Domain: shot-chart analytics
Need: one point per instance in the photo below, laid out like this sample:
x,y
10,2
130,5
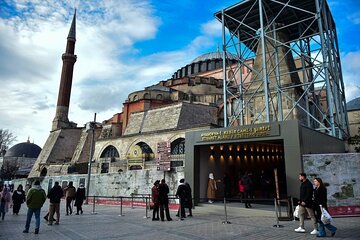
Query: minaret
x,y
62,109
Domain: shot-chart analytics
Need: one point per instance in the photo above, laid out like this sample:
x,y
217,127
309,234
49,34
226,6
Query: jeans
x,y
322,226
29,216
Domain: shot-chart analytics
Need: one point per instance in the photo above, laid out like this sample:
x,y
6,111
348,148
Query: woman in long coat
x,y
211,189
18,198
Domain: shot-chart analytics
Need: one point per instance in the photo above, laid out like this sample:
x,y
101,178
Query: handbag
x,y
325,216
296,211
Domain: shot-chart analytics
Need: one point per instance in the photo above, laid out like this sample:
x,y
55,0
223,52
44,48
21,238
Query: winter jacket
x,y
306,193
55,194
35,197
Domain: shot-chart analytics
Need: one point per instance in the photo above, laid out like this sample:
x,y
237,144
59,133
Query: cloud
x,y
351,73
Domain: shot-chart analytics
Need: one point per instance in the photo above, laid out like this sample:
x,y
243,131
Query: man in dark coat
x,y
182,194
79,198
55,194
306,203
164,200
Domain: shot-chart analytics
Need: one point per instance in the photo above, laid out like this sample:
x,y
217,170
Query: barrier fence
x,y
283,208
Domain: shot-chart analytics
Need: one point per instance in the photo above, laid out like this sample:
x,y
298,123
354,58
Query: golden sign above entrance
x,y
231,134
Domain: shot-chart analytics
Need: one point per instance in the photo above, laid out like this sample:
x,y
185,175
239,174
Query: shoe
x,y
170,219
314,232
320,236
46,218
67,214
333,234
300,229
76,213
26,231
56,223
210,201
190,215
81,212
49,224
177,215
36,231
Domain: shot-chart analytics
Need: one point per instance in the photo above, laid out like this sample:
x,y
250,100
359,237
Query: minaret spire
x,y
69,58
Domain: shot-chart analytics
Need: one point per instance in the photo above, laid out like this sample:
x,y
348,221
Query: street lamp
x,y
91,126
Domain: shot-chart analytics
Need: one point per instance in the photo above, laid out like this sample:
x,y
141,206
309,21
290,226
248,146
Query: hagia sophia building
x,y
146,141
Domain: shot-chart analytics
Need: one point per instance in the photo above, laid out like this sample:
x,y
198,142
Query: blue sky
x,y
122,46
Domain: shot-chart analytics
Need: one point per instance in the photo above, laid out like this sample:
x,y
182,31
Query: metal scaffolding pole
x,y
224,70
265,74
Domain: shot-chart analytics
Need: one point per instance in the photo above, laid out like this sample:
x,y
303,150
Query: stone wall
x,y
116,184
340,173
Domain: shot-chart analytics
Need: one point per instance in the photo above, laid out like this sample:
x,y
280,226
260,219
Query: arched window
x,y
159,97
110,152
43,172
135,98
178,146
146,96
146,151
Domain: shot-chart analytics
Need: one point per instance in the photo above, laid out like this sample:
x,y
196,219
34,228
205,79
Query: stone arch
x,y
135,98
147,96
43,172
147,152
110,152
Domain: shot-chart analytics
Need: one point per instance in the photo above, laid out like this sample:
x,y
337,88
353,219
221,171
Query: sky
x,y
122,46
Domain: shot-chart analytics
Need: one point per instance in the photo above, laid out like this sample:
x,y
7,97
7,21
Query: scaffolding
x,y
288,65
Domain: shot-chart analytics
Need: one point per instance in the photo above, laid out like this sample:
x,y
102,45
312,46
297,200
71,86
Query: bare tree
x,y
8,170
6,138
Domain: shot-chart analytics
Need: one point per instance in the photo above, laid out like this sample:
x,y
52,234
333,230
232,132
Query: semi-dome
x,y
213,55
25,149
353,104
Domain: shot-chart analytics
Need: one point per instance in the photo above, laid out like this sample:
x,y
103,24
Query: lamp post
x,y
92,126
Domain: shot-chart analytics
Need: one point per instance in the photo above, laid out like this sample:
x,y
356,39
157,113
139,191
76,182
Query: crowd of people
x,y
312,201
35,197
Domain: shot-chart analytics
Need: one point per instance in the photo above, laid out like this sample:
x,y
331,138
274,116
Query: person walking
x,y
70,192
164,200
306,204
18,198
5,198
155,200
188,202
211,188
320,199
181,193
35,199
248,189
79,198
55,194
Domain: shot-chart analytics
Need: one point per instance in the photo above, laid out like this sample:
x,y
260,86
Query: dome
x,y
213,55
353,104
25,149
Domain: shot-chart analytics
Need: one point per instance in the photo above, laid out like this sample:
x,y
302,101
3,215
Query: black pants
x,y
164,206
16,208
156,211
68,205
248,197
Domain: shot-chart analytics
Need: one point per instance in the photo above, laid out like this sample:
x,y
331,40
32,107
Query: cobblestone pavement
x,y
207,223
